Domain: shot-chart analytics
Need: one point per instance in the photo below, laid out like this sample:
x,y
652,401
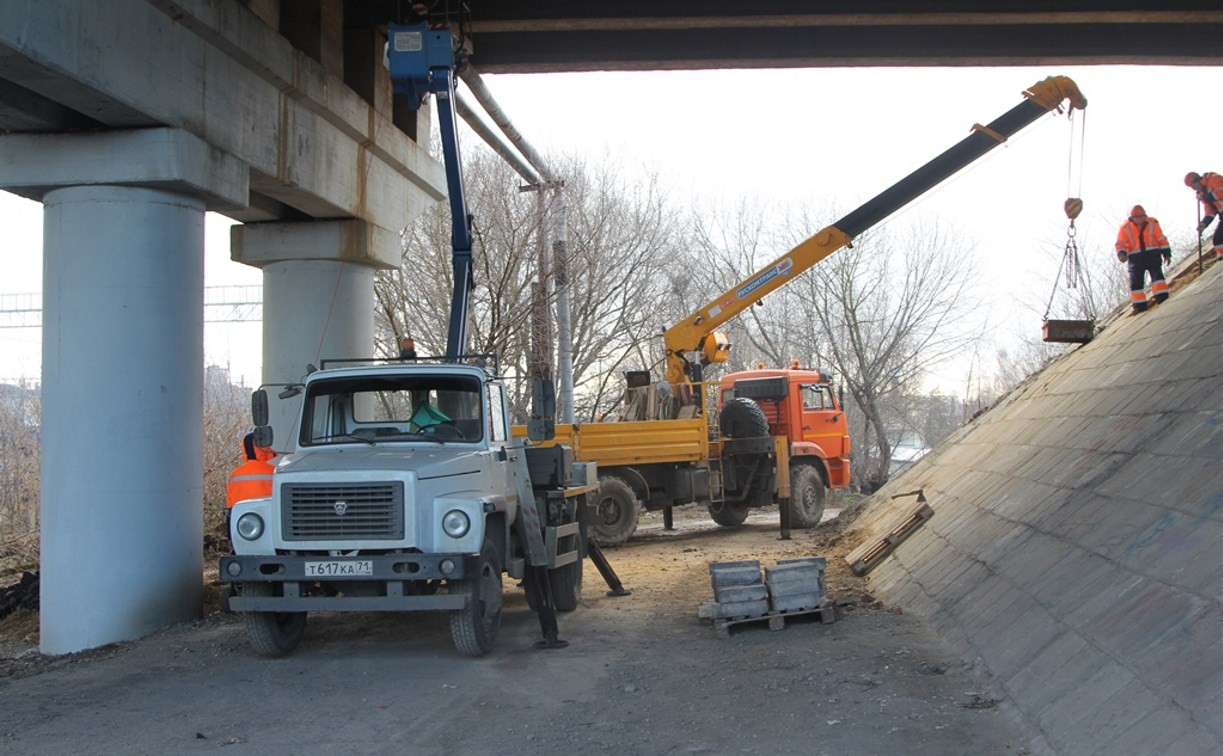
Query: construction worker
x,y
1141,243
253,478
1209,188
407,348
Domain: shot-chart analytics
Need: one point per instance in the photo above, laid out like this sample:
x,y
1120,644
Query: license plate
x,y
346,568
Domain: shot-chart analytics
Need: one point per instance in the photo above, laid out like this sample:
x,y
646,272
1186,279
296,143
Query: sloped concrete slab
x,y
1076,554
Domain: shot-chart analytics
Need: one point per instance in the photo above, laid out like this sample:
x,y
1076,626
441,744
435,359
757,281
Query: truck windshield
x,y
432,408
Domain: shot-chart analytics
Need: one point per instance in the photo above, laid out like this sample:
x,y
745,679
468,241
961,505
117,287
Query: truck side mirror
x,y
263,436
259,407
542,425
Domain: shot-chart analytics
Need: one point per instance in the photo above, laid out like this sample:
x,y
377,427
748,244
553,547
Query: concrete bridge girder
x,y
309,141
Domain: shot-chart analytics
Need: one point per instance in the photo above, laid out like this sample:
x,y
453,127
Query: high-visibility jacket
x,y
1134,238
1211,193
252,479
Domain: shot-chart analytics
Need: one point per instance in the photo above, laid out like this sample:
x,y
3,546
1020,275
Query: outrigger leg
x,y
605,569
542,587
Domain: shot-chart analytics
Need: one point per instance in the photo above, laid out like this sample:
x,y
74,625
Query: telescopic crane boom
x,y
697,335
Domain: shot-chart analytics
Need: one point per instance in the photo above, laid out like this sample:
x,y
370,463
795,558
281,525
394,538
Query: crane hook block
x,y
1073,207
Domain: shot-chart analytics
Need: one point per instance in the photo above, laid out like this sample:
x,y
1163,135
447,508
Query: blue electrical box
x,y
413,52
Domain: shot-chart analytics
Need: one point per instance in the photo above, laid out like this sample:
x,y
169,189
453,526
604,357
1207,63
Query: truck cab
x,y
402,490
801,405
791,419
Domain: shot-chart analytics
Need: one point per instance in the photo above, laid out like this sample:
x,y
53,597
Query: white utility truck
x,y
404,491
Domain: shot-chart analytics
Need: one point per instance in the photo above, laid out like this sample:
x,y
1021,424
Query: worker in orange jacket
x,y
1141,243
1209,189
253,478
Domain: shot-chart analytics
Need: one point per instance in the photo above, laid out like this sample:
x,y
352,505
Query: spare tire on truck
x,y
742,418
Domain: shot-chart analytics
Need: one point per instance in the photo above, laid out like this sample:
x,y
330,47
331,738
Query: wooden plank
x,y
864,558
776,620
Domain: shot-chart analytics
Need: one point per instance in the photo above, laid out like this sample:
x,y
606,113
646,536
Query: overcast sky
x,y
829,139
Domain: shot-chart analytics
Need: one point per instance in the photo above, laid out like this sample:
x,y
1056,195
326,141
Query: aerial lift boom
x,y
418,75
696,334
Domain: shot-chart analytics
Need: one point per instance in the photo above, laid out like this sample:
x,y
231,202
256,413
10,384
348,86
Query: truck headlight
x,y
250,526
456,523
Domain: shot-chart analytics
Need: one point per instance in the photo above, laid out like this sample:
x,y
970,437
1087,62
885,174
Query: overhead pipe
x,y
564,334
491,138
472,79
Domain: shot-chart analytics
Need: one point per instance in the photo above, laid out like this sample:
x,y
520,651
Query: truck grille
x,y
342,512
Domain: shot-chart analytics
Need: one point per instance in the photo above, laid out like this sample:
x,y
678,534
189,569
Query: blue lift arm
x,y
421,62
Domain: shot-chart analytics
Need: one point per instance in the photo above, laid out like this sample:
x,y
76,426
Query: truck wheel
x,y
806,496
742,418
272,633
615,512
474,627
566,587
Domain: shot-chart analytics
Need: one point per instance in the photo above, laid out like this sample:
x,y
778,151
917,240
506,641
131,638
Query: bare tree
x,y
226,420
620,243
19,471
888,308
624,248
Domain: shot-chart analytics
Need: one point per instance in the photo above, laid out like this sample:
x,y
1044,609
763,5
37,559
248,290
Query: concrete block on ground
x,y
734,573
792,587
733,593
792,573
719,610
796,601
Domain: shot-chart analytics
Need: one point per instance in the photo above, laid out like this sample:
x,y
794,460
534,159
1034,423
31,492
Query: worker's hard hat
x,y
1192,178
1137,212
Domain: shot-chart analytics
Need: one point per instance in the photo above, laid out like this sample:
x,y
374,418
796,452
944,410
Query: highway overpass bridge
x,y
129,119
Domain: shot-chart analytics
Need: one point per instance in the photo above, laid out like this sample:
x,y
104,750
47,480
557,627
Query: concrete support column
x,y
122,402
122,374
318,298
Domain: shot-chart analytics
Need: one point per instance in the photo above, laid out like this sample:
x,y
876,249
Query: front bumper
x,y
393,571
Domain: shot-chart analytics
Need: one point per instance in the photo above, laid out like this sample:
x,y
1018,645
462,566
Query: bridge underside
x,y
560,35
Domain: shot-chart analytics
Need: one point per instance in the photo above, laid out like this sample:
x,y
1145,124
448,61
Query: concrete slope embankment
x,y
1076,547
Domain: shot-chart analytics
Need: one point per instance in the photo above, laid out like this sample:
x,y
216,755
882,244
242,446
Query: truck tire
x,y
566,586
742,418
615,512
728,515
474,627
806,496
272,633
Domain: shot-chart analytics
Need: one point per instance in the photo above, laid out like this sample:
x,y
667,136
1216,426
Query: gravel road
x,y
642,675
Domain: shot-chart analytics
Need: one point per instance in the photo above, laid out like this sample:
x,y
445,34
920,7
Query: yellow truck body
x,y
640,442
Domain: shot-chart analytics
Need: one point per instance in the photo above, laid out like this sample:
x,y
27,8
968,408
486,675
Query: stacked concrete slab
x,y
790,588
1076,550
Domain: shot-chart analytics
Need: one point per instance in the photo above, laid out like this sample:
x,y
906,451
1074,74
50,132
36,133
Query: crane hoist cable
x,y
1071,264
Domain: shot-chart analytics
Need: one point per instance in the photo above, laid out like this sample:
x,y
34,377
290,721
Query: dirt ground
x,y
642,675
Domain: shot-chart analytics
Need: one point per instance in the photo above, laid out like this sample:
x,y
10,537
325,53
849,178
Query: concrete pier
x,y
122,373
